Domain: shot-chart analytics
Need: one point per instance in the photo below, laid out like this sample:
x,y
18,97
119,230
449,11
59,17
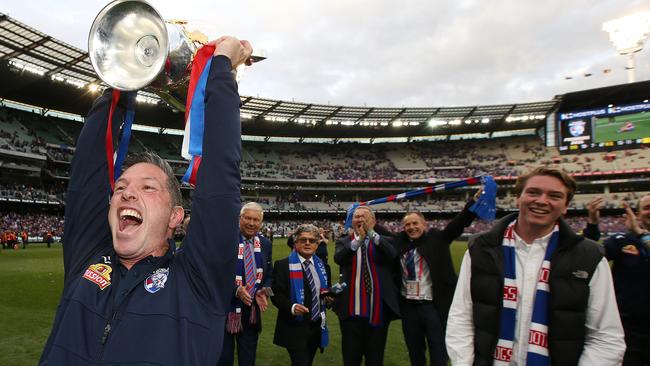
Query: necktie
x,y
367,282
409,260
315,302
249,265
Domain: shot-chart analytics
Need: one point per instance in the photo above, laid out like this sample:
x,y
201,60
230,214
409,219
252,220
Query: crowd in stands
x,y
30,132
60,154
440,160
15,227
23,191
39,224
12,141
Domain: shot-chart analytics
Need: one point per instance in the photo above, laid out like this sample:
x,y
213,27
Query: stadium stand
x,y
306,162
498,157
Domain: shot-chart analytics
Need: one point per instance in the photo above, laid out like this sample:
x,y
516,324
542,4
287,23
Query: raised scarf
x,y
298,292
538,353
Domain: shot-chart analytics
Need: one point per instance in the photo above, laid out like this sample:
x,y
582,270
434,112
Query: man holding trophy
x,y
129,297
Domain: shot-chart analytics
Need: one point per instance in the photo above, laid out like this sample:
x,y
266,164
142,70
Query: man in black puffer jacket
x,y
531,291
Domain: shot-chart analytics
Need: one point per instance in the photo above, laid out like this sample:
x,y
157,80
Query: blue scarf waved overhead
x,y
538,353
484,208
298,291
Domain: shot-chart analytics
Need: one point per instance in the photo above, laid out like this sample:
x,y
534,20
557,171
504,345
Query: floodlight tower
x,y
628,34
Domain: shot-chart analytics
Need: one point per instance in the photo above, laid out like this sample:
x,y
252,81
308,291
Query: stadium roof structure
x,y
40,70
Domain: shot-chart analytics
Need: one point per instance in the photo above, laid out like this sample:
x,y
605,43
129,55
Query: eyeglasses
x,y
307,240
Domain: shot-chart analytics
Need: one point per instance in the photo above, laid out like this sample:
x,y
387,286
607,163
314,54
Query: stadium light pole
x,y
628,34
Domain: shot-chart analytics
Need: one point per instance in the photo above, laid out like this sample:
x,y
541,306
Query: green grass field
x,y
30,285
606,130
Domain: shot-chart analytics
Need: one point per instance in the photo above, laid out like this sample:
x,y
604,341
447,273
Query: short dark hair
x,y
150,157
560,174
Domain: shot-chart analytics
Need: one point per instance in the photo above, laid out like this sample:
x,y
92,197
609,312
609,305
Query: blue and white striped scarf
x,y
538,353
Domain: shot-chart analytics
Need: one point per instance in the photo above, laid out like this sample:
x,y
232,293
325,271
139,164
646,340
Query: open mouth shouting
x,y
129,220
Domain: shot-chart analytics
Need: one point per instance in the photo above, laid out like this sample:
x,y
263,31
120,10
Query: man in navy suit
x,y
252,279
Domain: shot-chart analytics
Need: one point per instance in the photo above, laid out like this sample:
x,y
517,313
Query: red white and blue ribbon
x,y
123,146
485,180
192,148
115,160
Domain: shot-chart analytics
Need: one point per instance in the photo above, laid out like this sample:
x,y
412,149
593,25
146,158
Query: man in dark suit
x,y
253,274
428,280
300,279
369,302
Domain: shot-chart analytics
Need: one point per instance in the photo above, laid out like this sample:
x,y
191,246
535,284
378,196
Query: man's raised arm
x,y
86,229
211,243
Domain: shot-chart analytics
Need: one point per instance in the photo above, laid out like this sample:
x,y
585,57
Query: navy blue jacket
x,y
182,323
631,274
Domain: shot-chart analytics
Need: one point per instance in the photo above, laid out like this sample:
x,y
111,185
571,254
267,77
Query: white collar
x,y
303,259
543,241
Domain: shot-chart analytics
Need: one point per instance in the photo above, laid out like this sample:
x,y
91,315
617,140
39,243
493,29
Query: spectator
x,y
300,279
252,278
515,289
592,231
427,283
369,302
630,253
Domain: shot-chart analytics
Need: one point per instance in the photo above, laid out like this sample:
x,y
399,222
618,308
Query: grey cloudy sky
x,y
394,53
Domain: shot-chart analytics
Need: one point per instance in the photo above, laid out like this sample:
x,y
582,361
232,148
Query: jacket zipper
x,y
107,331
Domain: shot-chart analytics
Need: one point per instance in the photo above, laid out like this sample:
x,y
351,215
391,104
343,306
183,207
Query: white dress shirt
x,y
422,276
604,341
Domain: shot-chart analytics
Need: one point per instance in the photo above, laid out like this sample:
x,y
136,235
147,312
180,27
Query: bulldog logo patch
x,y
99,274
157,280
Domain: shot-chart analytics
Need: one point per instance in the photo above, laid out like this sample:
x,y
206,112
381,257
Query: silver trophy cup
x,y
132,47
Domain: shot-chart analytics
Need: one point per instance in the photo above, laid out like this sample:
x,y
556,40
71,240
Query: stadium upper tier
x,y
40,70
23,131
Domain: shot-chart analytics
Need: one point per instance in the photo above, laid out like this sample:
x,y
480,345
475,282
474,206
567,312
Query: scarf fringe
x,y
253,317
233,324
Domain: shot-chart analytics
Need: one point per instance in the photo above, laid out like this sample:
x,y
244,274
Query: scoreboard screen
x,y
607,128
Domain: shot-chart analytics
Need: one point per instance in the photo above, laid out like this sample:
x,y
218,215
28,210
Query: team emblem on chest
x,y
99,274
157,280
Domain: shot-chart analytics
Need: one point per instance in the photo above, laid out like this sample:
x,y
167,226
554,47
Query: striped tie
x,y
315,302
410,264
367,281
249,265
